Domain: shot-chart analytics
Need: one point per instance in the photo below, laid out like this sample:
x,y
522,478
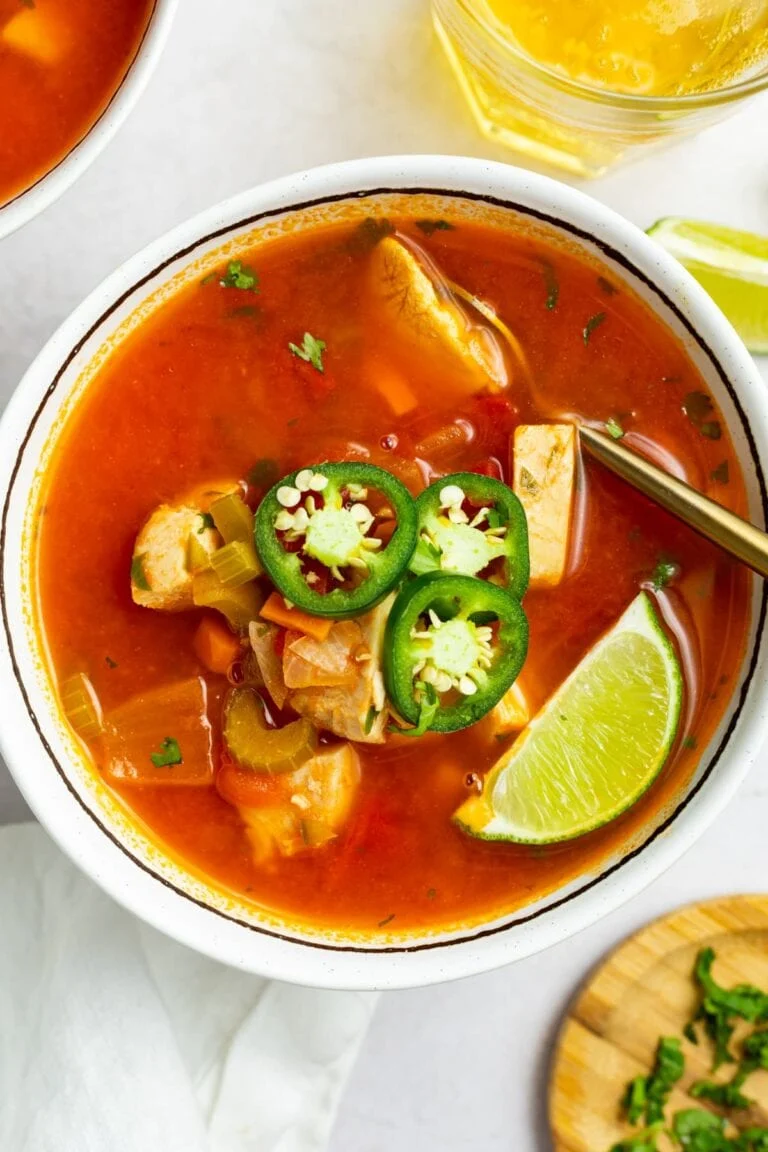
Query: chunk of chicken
x,y
314,806
423,312
356,712
544,466
174,543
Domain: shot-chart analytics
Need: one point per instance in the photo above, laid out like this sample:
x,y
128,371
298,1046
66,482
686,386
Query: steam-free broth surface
x,y
207,388
60,63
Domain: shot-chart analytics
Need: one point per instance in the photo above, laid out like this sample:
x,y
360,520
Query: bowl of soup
x,y
328,651
70,72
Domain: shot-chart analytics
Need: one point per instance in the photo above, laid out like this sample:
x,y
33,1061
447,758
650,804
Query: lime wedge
x,y
731,265
596,745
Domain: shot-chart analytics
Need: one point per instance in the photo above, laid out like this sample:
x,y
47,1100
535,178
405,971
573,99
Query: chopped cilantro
x,y
210,278
110,662
264,473
311,350
529,482
387,920
645,1141
698,407
664,571
552,285
206,522
606,286
593,323
138,575
370,719
368,233
699,1131
721,474
428,227
726,1095
689,742
244,312
169,754
613,428
239,275
647,1095
431,893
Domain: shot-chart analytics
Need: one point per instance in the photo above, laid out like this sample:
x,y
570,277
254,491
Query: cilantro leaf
x,y
138,575
593,323
699,1131
721,474
724,1095
429,227
206,522
239,275
169,754
698,407
552,285
664,571
647,1095
311,350
613,428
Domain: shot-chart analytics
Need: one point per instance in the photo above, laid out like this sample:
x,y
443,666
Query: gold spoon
x,y
736,536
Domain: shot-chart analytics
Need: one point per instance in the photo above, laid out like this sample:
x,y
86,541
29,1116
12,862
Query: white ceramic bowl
x,y
53,183
66,794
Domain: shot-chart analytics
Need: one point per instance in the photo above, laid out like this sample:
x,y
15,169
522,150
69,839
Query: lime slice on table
x,y
596,745
731,265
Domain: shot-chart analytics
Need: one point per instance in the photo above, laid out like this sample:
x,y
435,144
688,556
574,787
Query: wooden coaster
x,y
643,991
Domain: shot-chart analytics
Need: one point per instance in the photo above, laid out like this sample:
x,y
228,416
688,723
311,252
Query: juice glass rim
x,y
625,101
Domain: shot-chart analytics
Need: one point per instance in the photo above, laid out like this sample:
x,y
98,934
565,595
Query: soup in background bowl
x,y
311,432
69,74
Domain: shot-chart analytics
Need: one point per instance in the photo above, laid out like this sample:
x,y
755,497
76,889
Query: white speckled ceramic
x,y
56,778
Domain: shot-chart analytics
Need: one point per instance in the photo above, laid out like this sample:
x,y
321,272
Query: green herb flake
x,y
664,571
206,522
721,474
613,428
169,754
695,1129
368,233
138,575
698,407
387,920
211,278
690,744
370,719
239,275
244,312
593,323
264,473
645,1141
110,662
311,350
711,429
606,286
726,1095
551,284
429,227
528,482
431,893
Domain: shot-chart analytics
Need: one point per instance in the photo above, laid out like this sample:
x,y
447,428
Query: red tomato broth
x,y
206,386
51,103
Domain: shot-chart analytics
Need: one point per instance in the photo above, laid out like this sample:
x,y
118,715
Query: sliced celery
x,y
238,605
197,557
81,706
233,518
236,564
253,745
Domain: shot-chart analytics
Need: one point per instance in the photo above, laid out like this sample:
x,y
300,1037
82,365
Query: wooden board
x,y
643,991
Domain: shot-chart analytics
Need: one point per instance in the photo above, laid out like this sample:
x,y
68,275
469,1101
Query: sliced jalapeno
x,y
454,645
473,525
317,537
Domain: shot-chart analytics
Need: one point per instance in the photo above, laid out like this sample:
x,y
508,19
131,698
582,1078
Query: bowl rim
x,y
257,948
53,183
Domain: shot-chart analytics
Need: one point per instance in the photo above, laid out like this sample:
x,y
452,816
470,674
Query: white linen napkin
x,y
114,1038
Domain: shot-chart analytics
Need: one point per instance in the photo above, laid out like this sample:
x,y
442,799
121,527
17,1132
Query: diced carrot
x,y
277,612
395,389
215,646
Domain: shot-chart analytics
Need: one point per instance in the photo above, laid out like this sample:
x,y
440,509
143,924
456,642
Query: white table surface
x,y
260,89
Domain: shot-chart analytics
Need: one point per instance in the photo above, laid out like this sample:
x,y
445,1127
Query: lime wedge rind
x,y
731,265
596,746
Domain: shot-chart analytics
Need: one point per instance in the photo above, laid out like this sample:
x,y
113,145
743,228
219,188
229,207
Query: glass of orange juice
x,y
584,84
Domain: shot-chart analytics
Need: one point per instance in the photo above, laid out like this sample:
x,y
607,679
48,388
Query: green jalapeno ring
x,y
456,646
335,535
450,542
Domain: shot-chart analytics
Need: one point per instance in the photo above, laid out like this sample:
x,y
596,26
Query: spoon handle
x,y
736,536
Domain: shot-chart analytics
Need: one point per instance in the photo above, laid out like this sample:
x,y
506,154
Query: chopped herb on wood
x,y
646,1096
169,754
721,474
429,227
613,428
239,275
311,350
593,323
